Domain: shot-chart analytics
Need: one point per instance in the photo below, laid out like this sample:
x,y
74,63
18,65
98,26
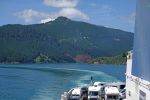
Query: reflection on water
x,y
49,81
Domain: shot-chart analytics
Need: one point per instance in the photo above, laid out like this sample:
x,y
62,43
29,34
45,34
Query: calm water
x,y
49,81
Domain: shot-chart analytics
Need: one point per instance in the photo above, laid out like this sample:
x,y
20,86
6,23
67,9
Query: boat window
x,y
93,93
84,89
112,97
75,95
122,86
102,84
93,99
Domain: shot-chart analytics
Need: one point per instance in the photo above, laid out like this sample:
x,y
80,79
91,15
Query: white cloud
x,y
61,3
46,20
67,9
28,14
72,13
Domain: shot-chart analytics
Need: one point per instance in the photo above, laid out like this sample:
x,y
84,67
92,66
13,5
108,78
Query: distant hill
x,y
61,40
119,59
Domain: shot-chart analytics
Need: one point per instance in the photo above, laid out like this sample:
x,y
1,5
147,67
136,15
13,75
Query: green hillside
x,y
59,41
119,59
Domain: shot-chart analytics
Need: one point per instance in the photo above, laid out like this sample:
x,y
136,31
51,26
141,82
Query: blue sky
x,y
118,14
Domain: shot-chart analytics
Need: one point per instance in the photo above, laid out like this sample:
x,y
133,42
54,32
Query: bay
x,y
49,81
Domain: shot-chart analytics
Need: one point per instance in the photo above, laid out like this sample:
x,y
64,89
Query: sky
x,y
119,14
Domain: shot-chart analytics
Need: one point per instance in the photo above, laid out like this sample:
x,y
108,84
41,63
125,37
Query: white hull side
x,y
134,84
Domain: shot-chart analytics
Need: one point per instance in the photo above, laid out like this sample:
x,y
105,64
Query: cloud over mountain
x,y
61,3
67,8
28,14
72,13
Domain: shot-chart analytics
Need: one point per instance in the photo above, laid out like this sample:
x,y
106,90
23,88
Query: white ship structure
x,y
138,63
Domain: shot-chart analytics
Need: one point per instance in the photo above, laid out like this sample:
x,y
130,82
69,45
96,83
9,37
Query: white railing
x,y
139,81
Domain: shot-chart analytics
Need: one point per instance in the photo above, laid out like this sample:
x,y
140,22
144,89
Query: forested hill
x,y
61,40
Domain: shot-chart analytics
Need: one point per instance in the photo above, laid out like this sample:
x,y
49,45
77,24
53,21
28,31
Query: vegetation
x,y
59,41
119,59
42,59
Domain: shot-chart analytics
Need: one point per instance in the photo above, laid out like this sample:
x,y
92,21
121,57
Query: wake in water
x,y
45,83
86,74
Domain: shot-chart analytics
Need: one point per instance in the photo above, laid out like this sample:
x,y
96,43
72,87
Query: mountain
x,y
61,40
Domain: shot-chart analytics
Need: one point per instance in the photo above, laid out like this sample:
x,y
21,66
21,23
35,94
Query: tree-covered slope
x,y
119,59
61,40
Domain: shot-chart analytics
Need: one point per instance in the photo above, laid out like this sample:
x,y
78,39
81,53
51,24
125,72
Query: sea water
x,y
49,81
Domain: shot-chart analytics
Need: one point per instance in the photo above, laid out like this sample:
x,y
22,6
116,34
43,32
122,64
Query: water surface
x,y
49,81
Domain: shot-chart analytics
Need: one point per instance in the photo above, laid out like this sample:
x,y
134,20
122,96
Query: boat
x,y
111,93
75,94
96,91
137,86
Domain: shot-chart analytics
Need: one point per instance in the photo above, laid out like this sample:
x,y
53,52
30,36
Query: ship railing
x,y
145,84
